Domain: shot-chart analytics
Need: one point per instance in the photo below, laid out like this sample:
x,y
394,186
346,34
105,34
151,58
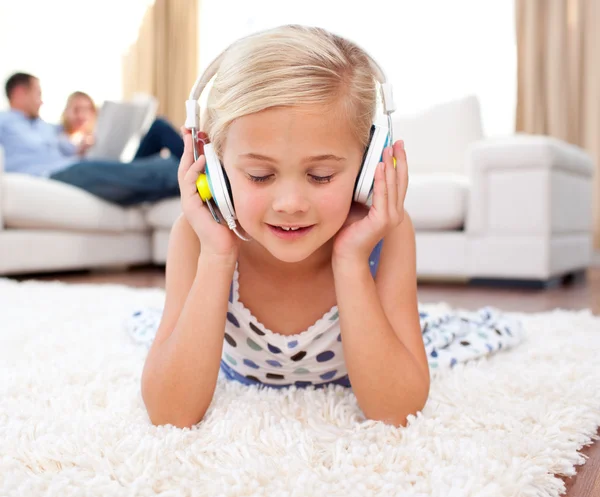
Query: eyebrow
x,y
314,158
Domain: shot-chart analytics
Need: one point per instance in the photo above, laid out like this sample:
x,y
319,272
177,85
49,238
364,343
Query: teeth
x,y
287,228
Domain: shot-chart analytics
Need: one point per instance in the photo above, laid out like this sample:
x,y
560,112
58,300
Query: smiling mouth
x,y
289,227
290,230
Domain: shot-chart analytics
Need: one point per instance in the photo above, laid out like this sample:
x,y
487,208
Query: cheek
x,y
334,203
250,203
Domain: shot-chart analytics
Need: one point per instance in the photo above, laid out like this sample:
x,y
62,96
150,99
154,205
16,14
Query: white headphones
x,y
214,187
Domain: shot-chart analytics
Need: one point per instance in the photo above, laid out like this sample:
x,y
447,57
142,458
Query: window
x,y
69,44
431,50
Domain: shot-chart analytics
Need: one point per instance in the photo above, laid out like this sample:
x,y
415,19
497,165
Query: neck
x,y
17,107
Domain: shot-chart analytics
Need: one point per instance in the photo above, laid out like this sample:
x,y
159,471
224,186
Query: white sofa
x,y
511,208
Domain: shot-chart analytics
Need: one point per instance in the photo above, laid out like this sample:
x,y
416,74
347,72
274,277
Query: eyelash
x,y
318,179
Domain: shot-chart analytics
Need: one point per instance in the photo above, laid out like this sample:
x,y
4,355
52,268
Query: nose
x,y
290,199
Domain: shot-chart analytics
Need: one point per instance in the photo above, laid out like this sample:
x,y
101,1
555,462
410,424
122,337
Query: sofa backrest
x,y
437,138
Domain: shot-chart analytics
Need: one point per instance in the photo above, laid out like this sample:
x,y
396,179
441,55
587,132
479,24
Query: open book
x,y
121,126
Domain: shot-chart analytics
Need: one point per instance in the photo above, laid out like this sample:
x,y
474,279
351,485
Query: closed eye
x,y
262,179
259,179
321,179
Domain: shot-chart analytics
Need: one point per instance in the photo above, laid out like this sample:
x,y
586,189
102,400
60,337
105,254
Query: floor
x,y
579,294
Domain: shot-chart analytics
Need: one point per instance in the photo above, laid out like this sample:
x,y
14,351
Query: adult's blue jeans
x,y
148,178
161,135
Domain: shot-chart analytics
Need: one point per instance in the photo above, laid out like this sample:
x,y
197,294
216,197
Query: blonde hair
x,y
68,129
290,66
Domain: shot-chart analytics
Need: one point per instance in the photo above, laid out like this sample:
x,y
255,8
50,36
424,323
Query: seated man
x,y
33,146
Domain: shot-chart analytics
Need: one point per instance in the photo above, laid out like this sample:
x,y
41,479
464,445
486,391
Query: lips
x,y
288,228
289,232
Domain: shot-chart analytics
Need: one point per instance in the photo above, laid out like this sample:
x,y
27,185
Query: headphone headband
x,y
192,120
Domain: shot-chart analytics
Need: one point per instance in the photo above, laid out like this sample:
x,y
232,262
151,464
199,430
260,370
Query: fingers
x,y
187,159
188,185
392,184
191,201
380,193
401,173
202,139
188,149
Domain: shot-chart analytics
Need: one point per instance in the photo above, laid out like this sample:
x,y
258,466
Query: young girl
x,y
324,292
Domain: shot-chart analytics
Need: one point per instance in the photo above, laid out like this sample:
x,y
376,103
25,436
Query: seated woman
x,y
79,120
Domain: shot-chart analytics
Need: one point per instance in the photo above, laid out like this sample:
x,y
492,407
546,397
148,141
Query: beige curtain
x,y
558,47
163,61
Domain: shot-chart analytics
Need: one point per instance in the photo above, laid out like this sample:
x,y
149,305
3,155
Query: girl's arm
x,y
381,332
182,366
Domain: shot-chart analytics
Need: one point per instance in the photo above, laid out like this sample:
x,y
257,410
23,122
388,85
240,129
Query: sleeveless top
x,y
253,354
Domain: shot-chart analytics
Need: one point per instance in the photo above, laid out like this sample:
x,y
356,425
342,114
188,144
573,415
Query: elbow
x,y
172,419
162,411
399,416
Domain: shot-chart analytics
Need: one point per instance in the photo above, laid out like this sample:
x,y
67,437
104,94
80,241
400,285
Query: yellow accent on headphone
x,y
394,162
203,188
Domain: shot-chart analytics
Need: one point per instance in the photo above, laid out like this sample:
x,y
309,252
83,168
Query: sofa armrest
x,y
529,185
1,186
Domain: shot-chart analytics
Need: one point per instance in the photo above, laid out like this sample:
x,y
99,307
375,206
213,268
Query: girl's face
x,y
292,167
80,113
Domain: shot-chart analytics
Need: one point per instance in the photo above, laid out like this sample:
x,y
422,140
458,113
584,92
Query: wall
x,y
70,45
432,50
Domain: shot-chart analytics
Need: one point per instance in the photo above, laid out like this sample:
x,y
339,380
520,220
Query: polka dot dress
x,y
253,354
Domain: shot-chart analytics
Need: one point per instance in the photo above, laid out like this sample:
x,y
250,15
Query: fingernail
x,y
402,144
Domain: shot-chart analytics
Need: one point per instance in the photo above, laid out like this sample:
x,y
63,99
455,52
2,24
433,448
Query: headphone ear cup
x,y
378,140
228,186
360,179
219,184
203,187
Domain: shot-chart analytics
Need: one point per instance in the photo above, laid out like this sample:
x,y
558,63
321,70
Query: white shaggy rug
x,y
72,421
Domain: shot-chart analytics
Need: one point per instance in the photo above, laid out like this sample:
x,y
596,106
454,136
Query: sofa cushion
x,y
437,202
41,203
164,213
437,139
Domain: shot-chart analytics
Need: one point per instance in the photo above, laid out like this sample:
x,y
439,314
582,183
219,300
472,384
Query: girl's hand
x,y
365,227
215,239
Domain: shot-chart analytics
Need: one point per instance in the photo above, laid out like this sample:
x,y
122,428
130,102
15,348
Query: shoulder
x,y
5,116
7,120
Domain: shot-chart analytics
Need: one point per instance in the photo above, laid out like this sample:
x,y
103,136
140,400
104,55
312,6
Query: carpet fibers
x,y
72,421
